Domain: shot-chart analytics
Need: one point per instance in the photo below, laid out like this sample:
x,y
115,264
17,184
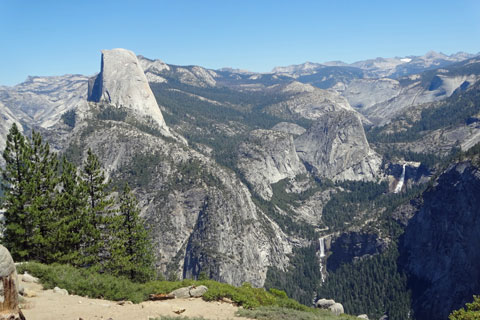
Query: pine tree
x,y
97,213
44,180
18,225
71,205
131,252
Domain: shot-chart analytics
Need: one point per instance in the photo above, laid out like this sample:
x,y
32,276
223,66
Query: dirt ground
x,y
48,305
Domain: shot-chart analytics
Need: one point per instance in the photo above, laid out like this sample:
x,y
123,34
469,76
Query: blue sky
x,y
44,37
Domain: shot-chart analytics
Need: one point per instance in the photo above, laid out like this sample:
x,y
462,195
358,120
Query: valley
x,y
354,182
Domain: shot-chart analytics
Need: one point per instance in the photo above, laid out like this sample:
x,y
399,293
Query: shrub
x,y
87,282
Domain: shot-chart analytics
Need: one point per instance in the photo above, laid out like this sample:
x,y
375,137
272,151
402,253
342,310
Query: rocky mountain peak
x,y
121,83
335,147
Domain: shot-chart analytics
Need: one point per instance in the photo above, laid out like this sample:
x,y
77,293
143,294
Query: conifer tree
x,y
97,213
18,229
71,205
131,252
44,180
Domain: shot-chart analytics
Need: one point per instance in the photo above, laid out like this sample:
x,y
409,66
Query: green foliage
x,y
71,204
28,181
372,285
301,279
67,215
280,313
344,206
42,209
16,186
69,118
112,113
130,249
471,312
284,200
137,172
237,111
88,282
98,212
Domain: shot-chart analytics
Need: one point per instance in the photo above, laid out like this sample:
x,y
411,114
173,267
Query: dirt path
x,y
47,305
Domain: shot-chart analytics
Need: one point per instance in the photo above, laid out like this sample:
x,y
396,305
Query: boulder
x,y
7,267
362,316
197,292
29,278
325,303
336,308
181,293
29,293
8,278
188,292
63,292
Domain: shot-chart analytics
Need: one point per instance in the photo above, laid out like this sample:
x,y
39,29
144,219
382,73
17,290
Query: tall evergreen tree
x,y
44,180
131,252
98,211
18,229
71,222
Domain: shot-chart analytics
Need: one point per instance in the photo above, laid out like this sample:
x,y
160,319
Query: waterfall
x,y
399,186
322,247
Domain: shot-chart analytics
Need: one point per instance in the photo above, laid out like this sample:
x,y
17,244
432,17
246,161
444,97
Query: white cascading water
x,y
399,186
321,242
322,247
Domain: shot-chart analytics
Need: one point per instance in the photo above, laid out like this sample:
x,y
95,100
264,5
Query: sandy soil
x,y
47,305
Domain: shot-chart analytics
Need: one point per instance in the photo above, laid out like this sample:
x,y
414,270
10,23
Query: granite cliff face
x,y
439,248
267,157
335,147
201,216
122,83
41,101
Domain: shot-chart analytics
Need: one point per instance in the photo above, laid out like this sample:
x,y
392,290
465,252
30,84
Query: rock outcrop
x,y
329,304
439,249
267,157
9,282
288,127
335,147
121,83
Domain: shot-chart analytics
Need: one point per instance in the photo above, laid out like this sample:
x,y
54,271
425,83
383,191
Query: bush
x,y
472,311
87,282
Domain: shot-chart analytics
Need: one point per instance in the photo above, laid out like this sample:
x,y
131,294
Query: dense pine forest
x,y
58,213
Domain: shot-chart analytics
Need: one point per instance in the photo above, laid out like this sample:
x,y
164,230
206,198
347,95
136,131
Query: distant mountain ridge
x,y
239,174
382,67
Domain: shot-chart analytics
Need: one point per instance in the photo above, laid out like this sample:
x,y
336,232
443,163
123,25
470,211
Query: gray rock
x,y
181,293
7,267
335,147
121,83
198,291
267,157
288,127
63,292
363,316
29,278
325,303
336,308
441,242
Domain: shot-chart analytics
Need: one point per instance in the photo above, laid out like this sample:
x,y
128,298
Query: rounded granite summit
x,y
122,83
